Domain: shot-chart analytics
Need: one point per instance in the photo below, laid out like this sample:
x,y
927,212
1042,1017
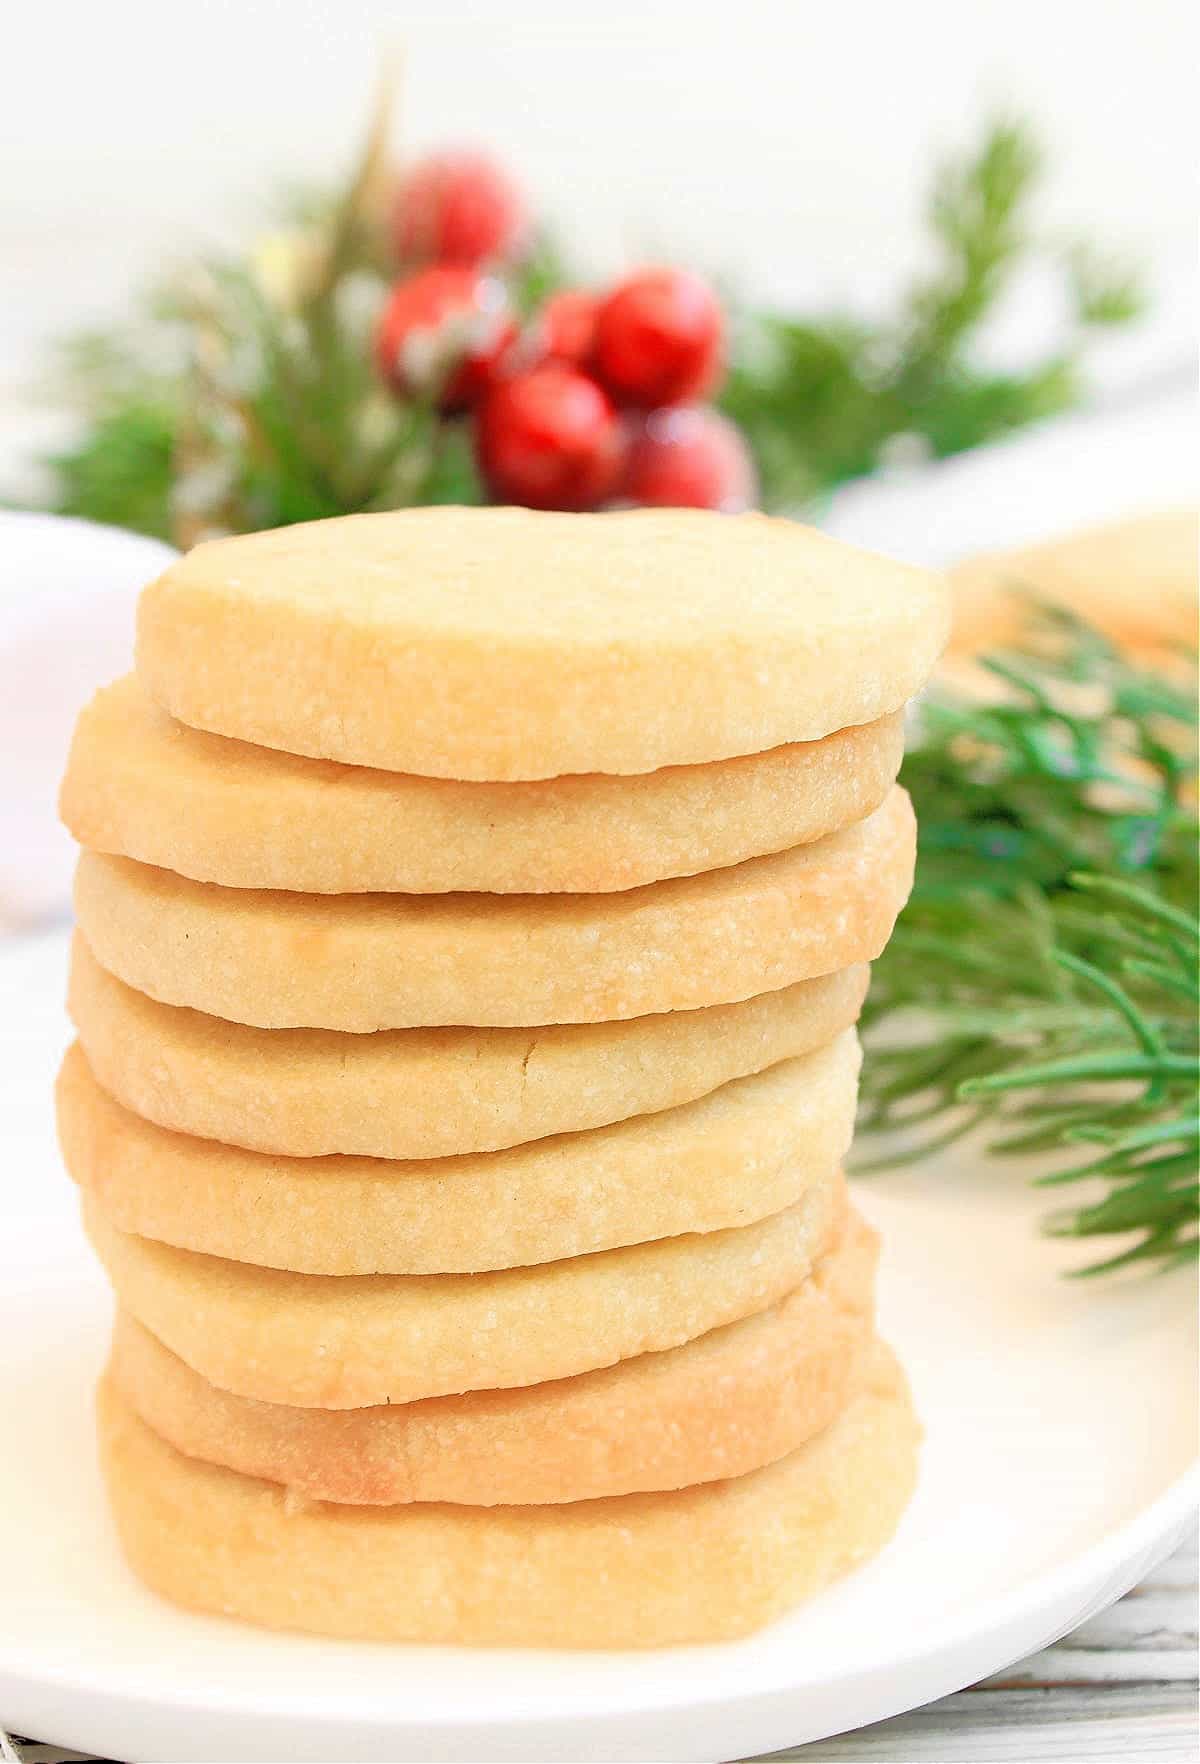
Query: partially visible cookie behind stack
x,y
474,916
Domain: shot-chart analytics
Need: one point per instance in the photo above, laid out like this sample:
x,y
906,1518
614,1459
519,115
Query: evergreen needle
x,y
1043,980
244,393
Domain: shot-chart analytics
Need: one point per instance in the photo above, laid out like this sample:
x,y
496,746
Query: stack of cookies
x,y
474,915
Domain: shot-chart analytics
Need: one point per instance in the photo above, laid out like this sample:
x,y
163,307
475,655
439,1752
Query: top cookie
x,y
502,644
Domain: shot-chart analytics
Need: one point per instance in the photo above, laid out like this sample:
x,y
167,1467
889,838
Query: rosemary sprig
x,y
1042,986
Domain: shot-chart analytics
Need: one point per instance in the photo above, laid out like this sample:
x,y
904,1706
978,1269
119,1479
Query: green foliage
x,y
1105,292
120,471
820,400
272,414
1046,968
805,397
247,395
249,398
977,216
542,272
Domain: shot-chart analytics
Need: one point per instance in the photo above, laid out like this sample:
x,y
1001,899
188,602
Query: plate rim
x,y
679,1705
1108,1558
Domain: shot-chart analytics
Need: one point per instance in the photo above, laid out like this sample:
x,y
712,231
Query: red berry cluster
x,y
596,399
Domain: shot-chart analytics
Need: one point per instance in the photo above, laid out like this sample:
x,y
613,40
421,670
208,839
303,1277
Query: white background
x,y
784,140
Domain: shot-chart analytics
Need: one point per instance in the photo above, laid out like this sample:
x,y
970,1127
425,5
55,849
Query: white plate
x,y
1057,1470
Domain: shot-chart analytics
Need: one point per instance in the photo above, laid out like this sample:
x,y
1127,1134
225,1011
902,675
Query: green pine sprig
x,y
821,399
229,404
1041,988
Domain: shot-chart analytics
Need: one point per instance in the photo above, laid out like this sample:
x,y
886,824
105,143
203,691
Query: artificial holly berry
x,y
458,207
442,334
687,456
659,339
549,438
566,327
561,330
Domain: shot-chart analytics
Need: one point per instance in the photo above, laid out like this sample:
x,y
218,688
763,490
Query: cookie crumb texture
x,y
504,644
700,1564
141,785
346,1342
741,1153
368,962
721,1405
430,1093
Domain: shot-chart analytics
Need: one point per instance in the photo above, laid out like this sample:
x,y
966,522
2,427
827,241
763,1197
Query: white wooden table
x,y
1122,1687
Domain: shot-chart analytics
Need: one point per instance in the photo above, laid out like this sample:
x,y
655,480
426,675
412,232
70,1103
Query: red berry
x,y
566,326
561,330
549,438
458,207
689,457
442,333
659,339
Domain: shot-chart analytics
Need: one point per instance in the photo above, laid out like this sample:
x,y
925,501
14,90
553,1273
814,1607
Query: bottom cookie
x,y
631,1571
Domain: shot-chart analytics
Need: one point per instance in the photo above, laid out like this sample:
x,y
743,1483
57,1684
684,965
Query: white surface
x,y
1057,1469
1120,1726
67,595
788,145
1123,1688
1078,471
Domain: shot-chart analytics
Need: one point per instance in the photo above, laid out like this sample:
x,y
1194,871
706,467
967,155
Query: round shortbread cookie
x,y
741,1153
639,1570
141,785
503,644
330,1342
362,962
1133,579
721,1405
430,1093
